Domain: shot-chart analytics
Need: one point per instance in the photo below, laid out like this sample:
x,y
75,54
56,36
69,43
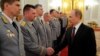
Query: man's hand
x,y
50,51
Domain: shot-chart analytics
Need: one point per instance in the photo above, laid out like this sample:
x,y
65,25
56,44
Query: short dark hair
x,y
6,1
27,7
52,10
78,13
37,5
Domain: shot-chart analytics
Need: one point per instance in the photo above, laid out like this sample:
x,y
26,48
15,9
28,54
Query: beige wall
x,y
92,14
33,2
97,33
23,2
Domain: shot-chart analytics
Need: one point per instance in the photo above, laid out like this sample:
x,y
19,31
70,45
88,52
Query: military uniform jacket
x,y
11,41
55,29
49,34
32,40
40,28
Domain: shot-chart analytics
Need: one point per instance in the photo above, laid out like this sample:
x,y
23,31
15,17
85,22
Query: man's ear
x,y
6,5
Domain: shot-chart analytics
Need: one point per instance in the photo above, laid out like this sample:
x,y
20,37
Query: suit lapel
x,y
69,31
29,27
20,39
31,30
19,30
42,23
11,28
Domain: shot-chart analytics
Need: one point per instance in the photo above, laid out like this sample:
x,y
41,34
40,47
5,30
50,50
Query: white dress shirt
x,y
77,27
8,18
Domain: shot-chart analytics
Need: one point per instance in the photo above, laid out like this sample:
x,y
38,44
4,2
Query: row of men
x,y
42,36
35,33
40,32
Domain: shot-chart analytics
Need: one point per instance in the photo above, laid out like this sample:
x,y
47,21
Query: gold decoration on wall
x,y
79,4
68,5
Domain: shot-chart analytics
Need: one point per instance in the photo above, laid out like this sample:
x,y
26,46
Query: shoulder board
x,y
23,23
4,19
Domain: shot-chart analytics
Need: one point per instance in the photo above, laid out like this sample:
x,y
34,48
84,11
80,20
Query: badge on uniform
x,y
10,34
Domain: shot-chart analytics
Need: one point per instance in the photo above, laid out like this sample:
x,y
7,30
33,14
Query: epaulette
x,y
23,23
4,19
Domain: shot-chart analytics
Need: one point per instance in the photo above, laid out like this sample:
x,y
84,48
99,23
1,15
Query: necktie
x,y
73,32
15,26
42,21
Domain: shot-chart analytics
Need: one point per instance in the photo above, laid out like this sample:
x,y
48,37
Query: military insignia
x,y
23,23
10,34
4,19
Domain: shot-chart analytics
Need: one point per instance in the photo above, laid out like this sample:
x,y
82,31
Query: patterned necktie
x,y
73,32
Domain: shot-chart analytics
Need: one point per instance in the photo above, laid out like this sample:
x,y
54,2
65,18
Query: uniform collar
x,y
8,18
40,18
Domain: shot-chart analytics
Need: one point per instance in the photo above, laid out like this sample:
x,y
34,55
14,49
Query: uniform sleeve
x,y
30,44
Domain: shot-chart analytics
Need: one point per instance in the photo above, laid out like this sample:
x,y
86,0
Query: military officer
x,y
32,40
11,38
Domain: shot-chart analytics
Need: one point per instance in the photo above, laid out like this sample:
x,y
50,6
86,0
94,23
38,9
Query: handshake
x,y
50,51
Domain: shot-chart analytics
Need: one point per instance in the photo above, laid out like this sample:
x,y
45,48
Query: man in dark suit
x,y
79,38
